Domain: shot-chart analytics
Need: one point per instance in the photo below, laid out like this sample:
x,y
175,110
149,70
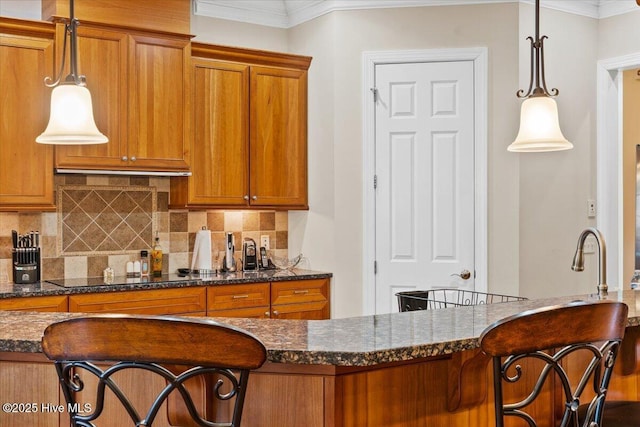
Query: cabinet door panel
x,y
220,141
278,137
158,107
300,299
102,58
307,311
26,167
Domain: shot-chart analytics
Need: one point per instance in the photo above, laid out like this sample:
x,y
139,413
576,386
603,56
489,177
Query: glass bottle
x,y
144,263
156,258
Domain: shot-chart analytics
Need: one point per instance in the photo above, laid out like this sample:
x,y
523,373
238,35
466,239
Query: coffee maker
x,y
249,255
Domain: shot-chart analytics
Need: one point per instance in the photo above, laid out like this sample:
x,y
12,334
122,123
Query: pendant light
x,y
71,119
539,125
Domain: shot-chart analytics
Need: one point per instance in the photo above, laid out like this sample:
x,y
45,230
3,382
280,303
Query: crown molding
x,y
287,14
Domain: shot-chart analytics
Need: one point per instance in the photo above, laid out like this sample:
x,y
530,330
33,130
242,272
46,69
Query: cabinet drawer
x,y
50,303
161,301
299,291
229,297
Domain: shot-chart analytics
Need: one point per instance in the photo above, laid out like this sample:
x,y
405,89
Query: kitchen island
x,y
405,369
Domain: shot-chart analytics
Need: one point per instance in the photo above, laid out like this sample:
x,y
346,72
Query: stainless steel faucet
x,y
578,258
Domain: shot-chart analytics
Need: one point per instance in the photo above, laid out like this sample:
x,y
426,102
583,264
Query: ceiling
x,y
289,13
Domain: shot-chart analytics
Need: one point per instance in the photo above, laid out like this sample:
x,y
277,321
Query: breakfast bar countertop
x,y
355,341
121,283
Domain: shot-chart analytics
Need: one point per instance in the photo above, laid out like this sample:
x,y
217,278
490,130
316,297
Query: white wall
x,y
232,33
331,232
554,187
22,9
619,35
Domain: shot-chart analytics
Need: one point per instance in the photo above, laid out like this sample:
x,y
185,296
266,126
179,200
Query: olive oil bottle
x,y
156,258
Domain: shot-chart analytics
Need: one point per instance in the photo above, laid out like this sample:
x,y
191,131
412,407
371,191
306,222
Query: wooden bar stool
x,y
97,349
536,344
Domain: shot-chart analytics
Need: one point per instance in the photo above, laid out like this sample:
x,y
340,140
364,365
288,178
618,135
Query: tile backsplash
x,y
99,220
107,220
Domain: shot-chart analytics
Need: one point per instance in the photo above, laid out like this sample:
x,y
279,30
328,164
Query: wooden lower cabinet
x,y
47,303
300,299
294,299
178,301
238,300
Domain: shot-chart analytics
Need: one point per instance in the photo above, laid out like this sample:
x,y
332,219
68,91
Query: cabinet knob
x,y
254,197
246,197
125,158
133,158
266,314
275,312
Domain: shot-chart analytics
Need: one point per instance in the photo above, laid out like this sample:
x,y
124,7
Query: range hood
x,y
123,172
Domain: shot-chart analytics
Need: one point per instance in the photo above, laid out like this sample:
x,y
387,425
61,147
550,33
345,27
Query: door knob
x,y
464,274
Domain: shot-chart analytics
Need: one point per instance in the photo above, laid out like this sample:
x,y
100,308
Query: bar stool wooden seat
x,y
96,350
530,350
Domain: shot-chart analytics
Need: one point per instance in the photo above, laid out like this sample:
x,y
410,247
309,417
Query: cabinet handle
x,y
275,312
133,158
246,197
254,197
300,292
125,158
266,314
240,296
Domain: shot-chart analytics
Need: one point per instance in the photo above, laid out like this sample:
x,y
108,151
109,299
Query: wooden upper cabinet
x,y
249,130
102,58
159,103
26,167
220,143
139,87
278,137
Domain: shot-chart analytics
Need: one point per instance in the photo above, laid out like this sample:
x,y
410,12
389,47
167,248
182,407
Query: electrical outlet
x,y
264,241
591,208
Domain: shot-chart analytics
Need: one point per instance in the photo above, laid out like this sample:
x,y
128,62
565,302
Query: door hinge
x,y
374,91
375,181
375,267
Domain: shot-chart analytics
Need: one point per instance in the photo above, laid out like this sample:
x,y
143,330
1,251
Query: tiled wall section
x,y
177,230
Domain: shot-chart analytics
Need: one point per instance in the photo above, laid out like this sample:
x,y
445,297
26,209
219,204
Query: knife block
x,y
26,265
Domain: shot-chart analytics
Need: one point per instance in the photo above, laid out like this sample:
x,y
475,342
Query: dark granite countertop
x,y
96,284
357,341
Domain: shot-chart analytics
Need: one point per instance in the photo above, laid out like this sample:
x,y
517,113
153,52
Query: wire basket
x,y
443,298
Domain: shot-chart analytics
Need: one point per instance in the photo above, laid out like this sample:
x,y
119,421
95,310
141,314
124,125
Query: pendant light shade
x,y
71,121
539,127
539,124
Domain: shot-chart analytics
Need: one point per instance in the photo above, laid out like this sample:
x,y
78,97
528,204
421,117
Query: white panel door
x,y
425,178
